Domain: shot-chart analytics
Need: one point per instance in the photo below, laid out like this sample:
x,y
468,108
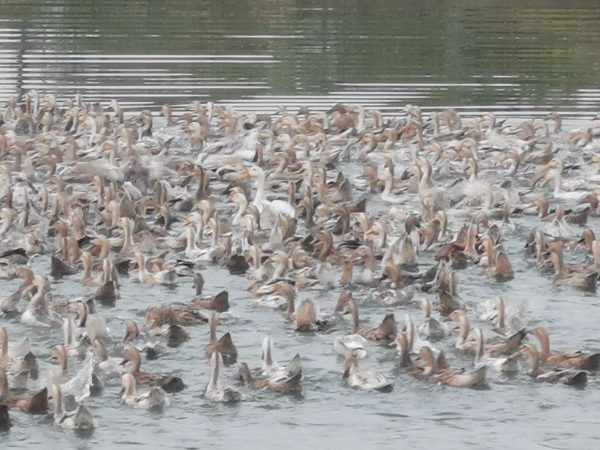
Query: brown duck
x,y
578,360
168,382
224,345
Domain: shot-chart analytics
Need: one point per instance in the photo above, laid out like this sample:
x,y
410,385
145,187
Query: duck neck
x,y
4,337
191,241
260,191
491,253
214,379
370,262
87,266
242,205
545,346
280,269
347,272
557,183
535,364
389,183
216,233
464,332
58,406
213,328
104,249
135,364
355,320
142,268
289,297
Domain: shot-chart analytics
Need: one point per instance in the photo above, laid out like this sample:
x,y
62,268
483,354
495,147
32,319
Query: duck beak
x,y
186,222
370,231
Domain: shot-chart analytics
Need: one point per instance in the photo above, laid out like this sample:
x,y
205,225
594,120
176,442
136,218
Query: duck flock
x,y
91,196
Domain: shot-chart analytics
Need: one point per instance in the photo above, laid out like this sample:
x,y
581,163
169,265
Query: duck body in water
x,y
82,192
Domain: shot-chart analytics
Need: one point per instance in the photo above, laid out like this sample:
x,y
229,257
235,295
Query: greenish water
x,y
518,58
384,53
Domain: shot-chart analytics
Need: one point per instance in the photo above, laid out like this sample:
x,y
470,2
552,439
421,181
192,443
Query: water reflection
x,y
384,52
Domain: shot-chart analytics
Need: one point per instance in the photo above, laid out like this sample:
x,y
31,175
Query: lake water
x,y
517,58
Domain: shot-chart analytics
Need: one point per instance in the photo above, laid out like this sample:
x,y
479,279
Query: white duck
x,y
351,344
503,364
269,210
364,379
80,419
112,367
214,391
431,328
155,398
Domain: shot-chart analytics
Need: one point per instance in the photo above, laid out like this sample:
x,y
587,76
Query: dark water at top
x,y
516,54
516,57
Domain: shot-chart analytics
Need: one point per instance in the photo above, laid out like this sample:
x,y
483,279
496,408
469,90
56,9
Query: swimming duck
x,y
507,364
166,277
431,328
214,391
91,321
224,346
468,343
569,275
570,377
37,404
326,322
283,379
351,344
578,360
154,399
110,366
385,331
80,419
364,379
167,382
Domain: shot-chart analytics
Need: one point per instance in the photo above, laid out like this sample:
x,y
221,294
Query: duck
x,y
80,419
166,277
571,276
570,377
431,328
327,322
305,316
364,379
109,366
560,187
283,380
167,382
471,378
269,210
37,404
506,364
468,342
214,391
91,322
577,360
154,399
351,344
386,331
218,302
224,345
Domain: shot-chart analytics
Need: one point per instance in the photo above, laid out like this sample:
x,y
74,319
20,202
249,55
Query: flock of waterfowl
x,y
104,200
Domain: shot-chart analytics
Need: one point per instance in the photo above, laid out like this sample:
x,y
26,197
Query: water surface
x,y
519,58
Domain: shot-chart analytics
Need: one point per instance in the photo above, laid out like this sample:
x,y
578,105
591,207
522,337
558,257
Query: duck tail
x,y
388,328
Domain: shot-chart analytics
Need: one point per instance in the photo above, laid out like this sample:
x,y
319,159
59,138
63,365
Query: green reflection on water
x,y
537,47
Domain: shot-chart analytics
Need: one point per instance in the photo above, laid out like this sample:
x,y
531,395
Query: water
x,y
519,58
